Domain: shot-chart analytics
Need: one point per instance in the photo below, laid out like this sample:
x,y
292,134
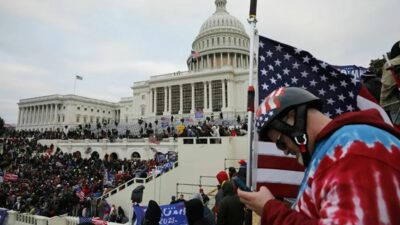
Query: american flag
x,y
10,177
281,65
80,194
194,54
94,220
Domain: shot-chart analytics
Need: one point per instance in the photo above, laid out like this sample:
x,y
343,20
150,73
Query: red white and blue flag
x,y
281,65
10,177
93,220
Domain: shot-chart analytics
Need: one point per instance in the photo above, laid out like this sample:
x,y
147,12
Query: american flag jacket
x,y
353,176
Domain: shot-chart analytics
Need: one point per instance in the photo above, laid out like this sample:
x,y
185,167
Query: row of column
x,y
205,62
39,114
207,92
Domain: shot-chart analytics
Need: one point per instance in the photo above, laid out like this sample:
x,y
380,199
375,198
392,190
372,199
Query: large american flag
x,y
281,65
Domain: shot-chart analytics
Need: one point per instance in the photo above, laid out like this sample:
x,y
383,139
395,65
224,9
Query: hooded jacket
x,y
231,210
194,212
353,176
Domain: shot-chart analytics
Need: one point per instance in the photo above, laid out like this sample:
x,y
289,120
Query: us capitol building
x,y
216,81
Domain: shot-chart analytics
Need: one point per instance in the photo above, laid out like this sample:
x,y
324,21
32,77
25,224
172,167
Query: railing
x,y
134,180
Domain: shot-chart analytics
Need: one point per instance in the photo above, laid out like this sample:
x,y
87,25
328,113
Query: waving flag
x,y
10,177
94,220
281,65
78,77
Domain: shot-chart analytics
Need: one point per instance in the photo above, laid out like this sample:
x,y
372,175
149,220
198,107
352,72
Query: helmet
x,y
278,103
395,51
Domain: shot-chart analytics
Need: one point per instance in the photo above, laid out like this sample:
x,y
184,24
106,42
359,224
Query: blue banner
x,y
173,214
354,70
3,215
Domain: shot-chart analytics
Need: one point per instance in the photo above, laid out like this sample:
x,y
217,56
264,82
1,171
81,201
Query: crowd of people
x,y
48,182
209,127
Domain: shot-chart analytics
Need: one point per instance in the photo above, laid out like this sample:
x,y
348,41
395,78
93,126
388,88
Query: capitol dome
x,y
222,41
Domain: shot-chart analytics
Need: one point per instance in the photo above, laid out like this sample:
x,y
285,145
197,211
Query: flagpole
x,y
250,104
251,91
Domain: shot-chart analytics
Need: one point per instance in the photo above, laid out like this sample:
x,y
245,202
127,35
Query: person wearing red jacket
x,y
353,163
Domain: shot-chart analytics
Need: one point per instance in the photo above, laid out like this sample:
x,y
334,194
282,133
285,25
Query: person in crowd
x,y
390,92
372,83
232,172
194,212
204,197
222,177
231,210
206,211
242,173
153,214
352,162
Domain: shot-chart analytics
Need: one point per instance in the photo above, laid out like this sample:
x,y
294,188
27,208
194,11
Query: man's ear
x,y
291,115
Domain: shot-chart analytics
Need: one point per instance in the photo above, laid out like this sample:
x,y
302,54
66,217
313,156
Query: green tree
x,y
1,126
376,65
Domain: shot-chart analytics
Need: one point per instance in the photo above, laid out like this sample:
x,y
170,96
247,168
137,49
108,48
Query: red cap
x,y
242,162
222,176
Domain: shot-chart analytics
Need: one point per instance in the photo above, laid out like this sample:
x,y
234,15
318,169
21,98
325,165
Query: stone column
x,y
35,110
222,60
51,119
235,60
223,94
215,60
230,95
210,95
180,99
56,114
170,99
193,109
152,101
165,101
205,108
19,116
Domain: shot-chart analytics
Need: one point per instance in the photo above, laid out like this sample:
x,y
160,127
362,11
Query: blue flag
x,y
173,214
3,215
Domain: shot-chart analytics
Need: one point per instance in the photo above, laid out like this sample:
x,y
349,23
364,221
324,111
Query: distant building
x,y
56,111
216,81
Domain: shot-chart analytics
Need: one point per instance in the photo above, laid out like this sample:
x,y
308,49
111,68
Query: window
x,y
187,97
91,110
85,109
77,119
142,110
108,112
143,97
78,108
175,99
216,89
160,100
104,111
199,96
98,110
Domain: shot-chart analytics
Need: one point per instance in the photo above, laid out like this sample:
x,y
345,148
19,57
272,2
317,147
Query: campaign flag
x,y
94,220
173,214
78,77
281,65
10,177
352,70
3,215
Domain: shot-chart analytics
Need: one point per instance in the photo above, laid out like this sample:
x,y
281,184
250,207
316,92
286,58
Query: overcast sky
x,y
111,44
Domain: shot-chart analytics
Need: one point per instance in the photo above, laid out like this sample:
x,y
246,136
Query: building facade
x,y
57,111
216,82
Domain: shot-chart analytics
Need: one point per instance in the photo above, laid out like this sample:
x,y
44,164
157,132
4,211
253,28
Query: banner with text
x,y
173,214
